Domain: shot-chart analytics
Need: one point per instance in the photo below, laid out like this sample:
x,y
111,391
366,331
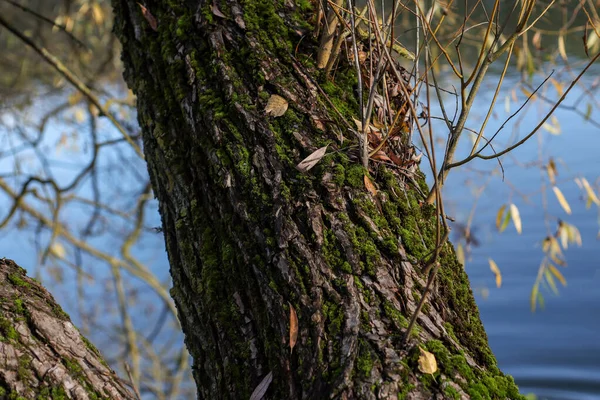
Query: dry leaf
x,y
550,281
427,362
499,216
293,327
215,10
58,250
557,274
558,86
590,192
534,296
381,156
262,387
370,186
552,172
149,17
496,271
311,160
97,14
460,254
561,199
516,217
553,127
276,106
561,47
537,40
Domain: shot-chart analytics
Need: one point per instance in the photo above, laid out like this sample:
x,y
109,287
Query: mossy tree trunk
x,y
249,236
42,355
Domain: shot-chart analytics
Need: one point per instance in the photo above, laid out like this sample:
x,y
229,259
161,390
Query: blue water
x,y
554,352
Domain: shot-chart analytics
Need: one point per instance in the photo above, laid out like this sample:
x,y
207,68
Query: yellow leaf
x,y
563,235
590,192
557,274
527,93
558,86
552,172
540,299
588,112
79,114
499,215
553,127
97,14
74,98
533,297
427,362
574,235
561,47
369,185
58,250
293,327
561,199
496,271
505,222
516,217
550,280
276,106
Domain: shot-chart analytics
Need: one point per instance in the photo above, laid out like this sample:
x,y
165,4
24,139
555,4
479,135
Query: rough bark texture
x,y
248,236
42,355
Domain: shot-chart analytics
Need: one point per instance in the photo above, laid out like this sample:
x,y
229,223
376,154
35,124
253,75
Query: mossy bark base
x,y
248,236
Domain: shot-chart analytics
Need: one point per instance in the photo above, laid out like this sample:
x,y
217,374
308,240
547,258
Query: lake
x,y
554,352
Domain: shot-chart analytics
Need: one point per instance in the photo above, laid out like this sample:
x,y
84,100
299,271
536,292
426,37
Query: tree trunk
x,y
250,238
42,355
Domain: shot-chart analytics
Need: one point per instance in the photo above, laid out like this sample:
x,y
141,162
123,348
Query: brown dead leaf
x,y
311,160
293,327
381,156
427,362
396,160
149,17
276,106
370,186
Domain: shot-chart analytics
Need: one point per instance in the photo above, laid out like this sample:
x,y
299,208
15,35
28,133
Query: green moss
x,y
19,308
480,384
355,176
406,389
364,360
394,315
24,368
339,174
54,393
7,330
451,393
59,312
16,280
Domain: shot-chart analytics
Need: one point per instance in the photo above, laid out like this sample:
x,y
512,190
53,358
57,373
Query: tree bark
x,y
42,354
249,237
